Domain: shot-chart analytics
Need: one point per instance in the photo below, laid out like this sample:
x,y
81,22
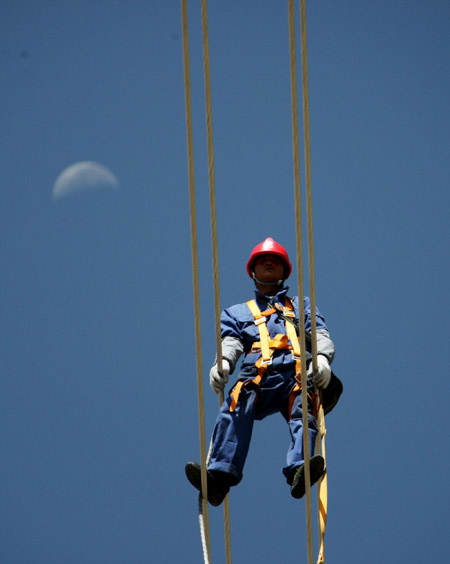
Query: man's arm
x,y
232,348
325,345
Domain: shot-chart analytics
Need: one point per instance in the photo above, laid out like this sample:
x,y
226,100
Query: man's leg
x,y
295,455
232,435
231,441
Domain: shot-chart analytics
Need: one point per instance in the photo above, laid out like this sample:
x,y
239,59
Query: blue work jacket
x,y
237,322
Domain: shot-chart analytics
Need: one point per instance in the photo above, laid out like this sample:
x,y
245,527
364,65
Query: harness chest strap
x,y
260,321
292,334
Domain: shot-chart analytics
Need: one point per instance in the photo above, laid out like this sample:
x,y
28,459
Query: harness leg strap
x,y
238,387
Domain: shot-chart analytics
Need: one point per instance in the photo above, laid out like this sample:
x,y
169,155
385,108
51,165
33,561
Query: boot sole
x,y
316,468
193,473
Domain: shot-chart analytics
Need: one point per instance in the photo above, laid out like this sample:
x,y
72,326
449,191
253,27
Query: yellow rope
x,y
194,251
299,245
215,254
322,487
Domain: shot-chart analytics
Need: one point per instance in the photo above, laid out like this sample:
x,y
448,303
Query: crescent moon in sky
x,y
84,176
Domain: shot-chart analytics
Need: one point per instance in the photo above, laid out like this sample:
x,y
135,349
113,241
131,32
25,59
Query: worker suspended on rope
x,y
264,330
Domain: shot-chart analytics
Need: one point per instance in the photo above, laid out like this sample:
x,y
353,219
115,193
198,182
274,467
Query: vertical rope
x,y
212,185
306,133
204,520
215,254
322,487
299,244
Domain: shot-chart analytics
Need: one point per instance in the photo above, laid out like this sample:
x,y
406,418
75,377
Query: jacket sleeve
x,y
325,345
232,342
232,348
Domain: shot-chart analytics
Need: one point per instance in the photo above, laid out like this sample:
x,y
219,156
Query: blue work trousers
x,y
233,431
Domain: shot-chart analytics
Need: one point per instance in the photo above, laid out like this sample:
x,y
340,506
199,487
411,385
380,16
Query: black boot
x,y
316,467
218,482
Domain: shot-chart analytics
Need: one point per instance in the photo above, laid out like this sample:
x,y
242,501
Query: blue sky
x,y
98,411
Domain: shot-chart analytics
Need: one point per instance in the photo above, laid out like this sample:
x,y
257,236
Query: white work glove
x,y
217,380
322,376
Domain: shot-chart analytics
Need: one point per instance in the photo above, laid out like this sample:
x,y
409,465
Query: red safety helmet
x,y
269,247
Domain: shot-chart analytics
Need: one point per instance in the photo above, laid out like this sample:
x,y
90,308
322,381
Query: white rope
x,y
203,501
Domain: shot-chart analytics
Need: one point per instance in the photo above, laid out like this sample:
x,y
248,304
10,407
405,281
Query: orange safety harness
x,y
268,346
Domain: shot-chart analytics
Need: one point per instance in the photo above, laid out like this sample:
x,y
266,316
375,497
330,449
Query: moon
x,y
84,176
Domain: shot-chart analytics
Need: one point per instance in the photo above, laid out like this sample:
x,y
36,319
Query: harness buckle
x,y
288,312
266,362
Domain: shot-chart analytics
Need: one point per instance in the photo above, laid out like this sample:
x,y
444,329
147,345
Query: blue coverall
x,y
233,430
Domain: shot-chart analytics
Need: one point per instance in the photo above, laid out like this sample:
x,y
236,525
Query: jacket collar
x,y
278,297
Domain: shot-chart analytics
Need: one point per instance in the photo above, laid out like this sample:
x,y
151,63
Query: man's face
x,y
269,268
